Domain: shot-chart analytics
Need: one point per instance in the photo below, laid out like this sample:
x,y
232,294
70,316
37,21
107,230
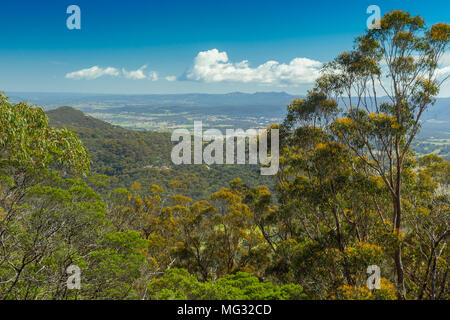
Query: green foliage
x,y
179,284
28,143
114,268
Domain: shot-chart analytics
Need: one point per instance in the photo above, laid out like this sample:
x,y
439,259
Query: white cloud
x,y
153,75
444,65
445,59
443,71
214,66
96,72
444,62
93,73
135,74
171,78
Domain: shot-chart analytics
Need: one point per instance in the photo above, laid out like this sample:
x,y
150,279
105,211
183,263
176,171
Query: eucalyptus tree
x,y
383,86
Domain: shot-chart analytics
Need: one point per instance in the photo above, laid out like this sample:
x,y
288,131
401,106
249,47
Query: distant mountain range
x,y
167,111
53,100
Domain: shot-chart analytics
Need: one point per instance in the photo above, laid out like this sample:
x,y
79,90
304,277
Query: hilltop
x,y
71,117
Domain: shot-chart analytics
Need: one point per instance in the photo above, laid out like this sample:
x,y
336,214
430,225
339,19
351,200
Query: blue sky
x,y
167,46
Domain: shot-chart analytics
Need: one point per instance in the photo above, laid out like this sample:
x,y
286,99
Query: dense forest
x,y
128,156
350,193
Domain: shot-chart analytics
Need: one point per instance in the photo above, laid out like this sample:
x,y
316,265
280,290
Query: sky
x,y
202,46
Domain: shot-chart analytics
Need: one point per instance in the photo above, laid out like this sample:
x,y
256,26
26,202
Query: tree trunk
x,y
401,290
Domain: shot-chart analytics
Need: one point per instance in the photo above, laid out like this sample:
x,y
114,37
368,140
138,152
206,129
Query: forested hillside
x,y
128,156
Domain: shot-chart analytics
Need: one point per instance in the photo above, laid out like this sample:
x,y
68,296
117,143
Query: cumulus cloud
x,y
135,74
443,71
96,72
171,78
214,66
93,73
445,59
443,74
153,75
444,63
